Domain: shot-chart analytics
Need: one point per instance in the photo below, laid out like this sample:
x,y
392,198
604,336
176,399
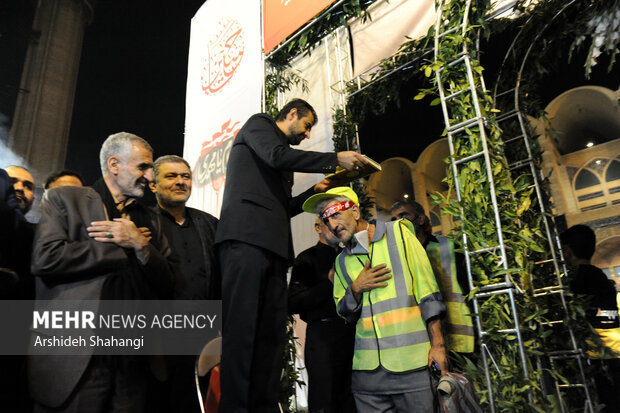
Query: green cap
x,y
312,202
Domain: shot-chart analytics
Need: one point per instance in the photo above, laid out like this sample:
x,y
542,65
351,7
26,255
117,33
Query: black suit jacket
x,y
16,281
257,204
70,265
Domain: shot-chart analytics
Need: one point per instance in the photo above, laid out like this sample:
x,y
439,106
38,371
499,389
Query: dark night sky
x,y
133,76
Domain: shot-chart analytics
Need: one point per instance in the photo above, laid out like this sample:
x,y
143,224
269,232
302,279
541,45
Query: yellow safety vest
x,y
391,329
457,323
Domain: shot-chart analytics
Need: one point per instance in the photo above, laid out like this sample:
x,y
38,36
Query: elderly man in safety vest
x,y
385,284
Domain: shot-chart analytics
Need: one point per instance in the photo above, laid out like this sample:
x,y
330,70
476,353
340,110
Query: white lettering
x,y
57,319
40,318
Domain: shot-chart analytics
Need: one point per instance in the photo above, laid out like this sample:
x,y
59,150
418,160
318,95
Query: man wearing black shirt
x,y
329,341
190,233
579,243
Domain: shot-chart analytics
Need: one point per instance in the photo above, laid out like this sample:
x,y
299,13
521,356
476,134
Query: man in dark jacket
x,y
16,282
328,352
255,248
190,233
579,244
90,245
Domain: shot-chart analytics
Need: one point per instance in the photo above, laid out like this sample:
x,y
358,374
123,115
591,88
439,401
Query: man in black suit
x,y
16,198
190,233
255,247
99,243
16,282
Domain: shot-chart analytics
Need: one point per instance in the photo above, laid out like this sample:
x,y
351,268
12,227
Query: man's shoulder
x,y
258,120
197,213
262,117
70,193
309,252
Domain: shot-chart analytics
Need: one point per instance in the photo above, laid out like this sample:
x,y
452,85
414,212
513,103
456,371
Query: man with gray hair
x,y
384,284
99,243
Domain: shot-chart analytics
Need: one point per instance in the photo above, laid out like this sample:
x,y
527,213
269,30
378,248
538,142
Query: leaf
x,y
419,96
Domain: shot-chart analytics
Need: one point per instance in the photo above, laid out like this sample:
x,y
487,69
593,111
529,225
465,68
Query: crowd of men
x,y
384,301
102,242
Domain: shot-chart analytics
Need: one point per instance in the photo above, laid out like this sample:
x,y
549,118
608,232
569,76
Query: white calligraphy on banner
x,y
224,88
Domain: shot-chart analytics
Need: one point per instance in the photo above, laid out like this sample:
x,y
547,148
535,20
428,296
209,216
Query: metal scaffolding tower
x,y
449,89
450,86
549,291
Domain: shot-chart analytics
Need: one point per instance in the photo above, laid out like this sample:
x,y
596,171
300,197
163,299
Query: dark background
x,y
133,73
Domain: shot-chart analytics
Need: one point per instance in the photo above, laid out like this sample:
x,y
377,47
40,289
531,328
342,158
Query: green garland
x,y
290,377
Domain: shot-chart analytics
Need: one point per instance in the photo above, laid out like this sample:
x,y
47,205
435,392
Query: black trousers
x,y
109,385
329,357
254,327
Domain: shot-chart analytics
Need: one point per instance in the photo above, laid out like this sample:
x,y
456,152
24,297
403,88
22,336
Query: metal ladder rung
x,y
520,164
452,30
552,323
495,292
541,294
490,287
556,289
467,159
460,58
460,92
505,92
462,125
481,250
506,115
504,331
514,139
565,354
447,32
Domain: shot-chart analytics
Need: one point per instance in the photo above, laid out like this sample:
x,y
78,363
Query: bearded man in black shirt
x,y
329,341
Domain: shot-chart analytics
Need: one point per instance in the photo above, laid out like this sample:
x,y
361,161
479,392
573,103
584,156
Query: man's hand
x,y
121,232
146,231
437,353
331,274
369,279
322,186
351,159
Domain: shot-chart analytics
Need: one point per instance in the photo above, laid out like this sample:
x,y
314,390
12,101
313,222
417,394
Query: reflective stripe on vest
x,y
457,323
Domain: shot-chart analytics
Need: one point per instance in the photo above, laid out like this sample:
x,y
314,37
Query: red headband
x,y
331,210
